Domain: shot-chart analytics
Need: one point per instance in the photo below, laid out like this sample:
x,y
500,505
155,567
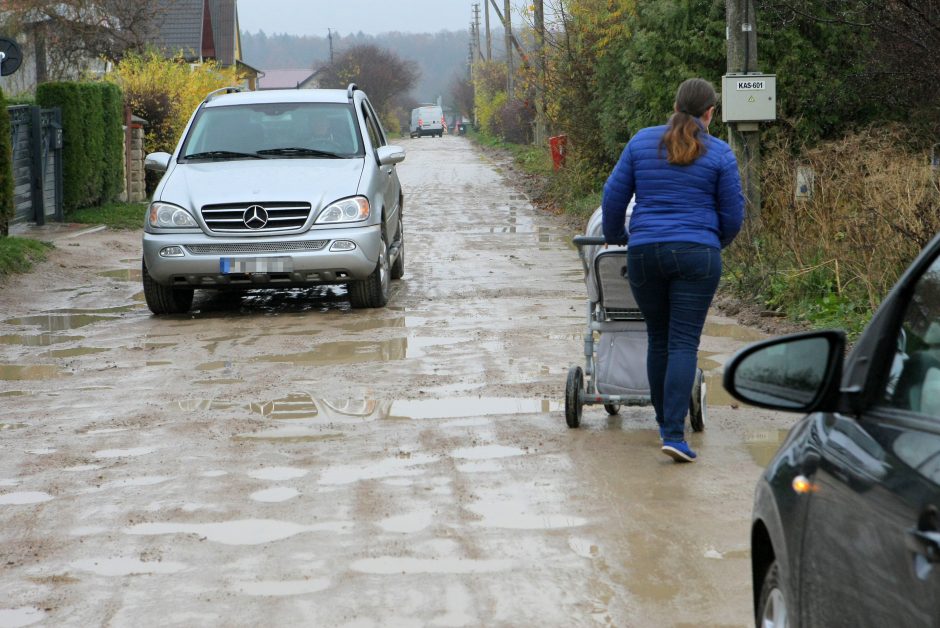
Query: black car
x,y
846,530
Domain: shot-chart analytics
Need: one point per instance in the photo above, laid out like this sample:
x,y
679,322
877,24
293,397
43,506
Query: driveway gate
x,y
37,163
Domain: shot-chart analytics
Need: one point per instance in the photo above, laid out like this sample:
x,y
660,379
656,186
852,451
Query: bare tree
x,y
381,73
461,92
69,33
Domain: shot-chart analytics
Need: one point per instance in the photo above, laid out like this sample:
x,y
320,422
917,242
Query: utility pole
x,y
540,73
476,30
489,35
329,34
507,26
741,20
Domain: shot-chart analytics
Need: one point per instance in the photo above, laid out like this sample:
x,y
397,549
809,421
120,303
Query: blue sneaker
x,y
678,450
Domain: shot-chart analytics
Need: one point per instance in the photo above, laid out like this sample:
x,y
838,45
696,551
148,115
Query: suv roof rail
x,y
349,90
225,90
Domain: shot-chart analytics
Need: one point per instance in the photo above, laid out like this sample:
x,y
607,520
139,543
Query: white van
x,y
427,120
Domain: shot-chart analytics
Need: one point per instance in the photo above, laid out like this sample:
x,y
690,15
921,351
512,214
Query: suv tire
x,y
398,268
772,607
163,300
373,290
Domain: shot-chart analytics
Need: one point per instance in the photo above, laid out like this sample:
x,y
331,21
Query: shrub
x,y
91,124
165,92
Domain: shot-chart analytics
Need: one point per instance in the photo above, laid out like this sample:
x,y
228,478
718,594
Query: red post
x,y
559,145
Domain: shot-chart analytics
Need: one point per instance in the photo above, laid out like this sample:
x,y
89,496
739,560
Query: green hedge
x,y
6,169
93,167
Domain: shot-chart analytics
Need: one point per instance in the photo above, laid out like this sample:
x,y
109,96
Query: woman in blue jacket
x,y
689,206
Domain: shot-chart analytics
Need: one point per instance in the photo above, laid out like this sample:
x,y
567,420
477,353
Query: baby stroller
x,y
614,372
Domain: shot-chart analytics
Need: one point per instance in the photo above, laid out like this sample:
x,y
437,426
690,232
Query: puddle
x,y
124,453
275,495
83,467
486,452
123,274
105,430
192,405
716,395
126,566
217,382
762,446
73,353
18,617
371,324
23,498
9,482
390,467
115,309
151,480
41,452
243,532
37,340
14,393
394,565
58,322
512,516
479,467
281,588
457,407
296,406
278,473
13,372
290,435
350,352
733,330
12,426
409,523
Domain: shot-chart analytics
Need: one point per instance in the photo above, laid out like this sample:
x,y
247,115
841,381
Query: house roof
x,y
183,27
284,78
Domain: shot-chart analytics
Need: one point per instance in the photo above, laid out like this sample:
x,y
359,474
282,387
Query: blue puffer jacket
x,y
700,203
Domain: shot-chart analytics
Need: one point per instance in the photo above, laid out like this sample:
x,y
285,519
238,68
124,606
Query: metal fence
x,y
37,163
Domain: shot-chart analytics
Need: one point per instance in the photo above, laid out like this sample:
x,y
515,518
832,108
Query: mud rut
x,y
280,459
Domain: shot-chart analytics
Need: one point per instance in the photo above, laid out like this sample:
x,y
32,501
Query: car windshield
x,y
273,131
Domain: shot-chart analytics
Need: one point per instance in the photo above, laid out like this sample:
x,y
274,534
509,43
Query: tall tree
x,y
381,73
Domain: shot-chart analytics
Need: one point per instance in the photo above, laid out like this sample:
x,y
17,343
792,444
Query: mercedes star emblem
x,y
255,217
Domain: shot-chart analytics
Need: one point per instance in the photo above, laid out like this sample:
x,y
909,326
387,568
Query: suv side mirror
x,y
796,373
157,161
390,155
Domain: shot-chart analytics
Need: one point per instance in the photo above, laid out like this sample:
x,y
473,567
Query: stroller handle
x,y
585,240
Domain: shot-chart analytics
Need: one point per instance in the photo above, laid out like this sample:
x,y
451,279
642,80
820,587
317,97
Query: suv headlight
x,y
166,216
347,210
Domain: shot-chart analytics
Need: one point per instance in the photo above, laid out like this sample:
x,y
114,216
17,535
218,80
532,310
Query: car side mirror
x,y
390,155
157,161
796,373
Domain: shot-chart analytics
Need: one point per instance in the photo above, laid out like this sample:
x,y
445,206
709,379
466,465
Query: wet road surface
x,y
280,459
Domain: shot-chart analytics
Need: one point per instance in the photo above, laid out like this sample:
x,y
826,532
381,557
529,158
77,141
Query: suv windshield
x,y
273,131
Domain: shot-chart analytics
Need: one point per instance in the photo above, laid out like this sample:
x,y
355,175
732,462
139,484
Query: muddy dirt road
x,y
282,460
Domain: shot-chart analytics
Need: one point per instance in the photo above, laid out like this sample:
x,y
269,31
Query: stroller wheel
x,y
573,396
697,402
612,408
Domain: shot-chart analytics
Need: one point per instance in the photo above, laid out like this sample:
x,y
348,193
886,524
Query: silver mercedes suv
x,y
272,189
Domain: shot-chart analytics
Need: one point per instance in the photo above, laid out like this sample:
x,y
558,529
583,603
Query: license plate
x,y
232,265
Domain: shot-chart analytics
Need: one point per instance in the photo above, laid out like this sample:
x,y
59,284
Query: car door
x,y
391,185
871,549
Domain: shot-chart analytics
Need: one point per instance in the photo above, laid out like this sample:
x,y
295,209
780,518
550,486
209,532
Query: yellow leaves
x,y
598,24
168,89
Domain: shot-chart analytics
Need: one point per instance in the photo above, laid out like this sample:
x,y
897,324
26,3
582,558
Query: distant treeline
x,y
439,56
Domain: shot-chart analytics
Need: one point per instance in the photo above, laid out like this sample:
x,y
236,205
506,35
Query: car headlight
x,y
166,216
347,210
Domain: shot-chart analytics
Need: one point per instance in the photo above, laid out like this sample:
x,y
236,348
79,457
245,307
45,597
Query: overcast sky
x,y
314,17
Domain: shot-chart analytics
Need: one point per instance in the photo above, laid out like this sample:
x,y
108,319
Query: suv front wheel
x,y
373,290
163,300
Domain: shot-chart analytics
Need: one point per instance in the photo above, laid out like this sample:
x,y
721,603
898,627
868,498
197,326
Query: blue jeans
x,y
673,284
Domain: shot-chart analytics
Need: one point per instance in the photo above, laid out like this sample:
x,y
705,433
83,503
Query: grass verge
x,y
18,255
112,215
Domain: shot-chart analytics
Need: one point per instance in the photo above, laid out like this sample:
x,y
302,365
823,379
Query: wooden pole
x,y
741,21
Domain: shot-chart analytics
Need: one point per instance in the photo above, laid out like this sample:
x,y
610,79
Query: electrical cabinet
x,y
748,97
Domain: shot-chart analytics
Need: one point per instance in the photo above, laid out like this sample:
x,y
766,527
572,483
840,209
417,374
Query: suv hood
x,y
315,181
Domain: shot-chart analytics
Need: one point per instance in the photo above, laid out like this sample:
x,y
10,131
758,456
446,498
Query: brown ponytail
x,y
682,138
